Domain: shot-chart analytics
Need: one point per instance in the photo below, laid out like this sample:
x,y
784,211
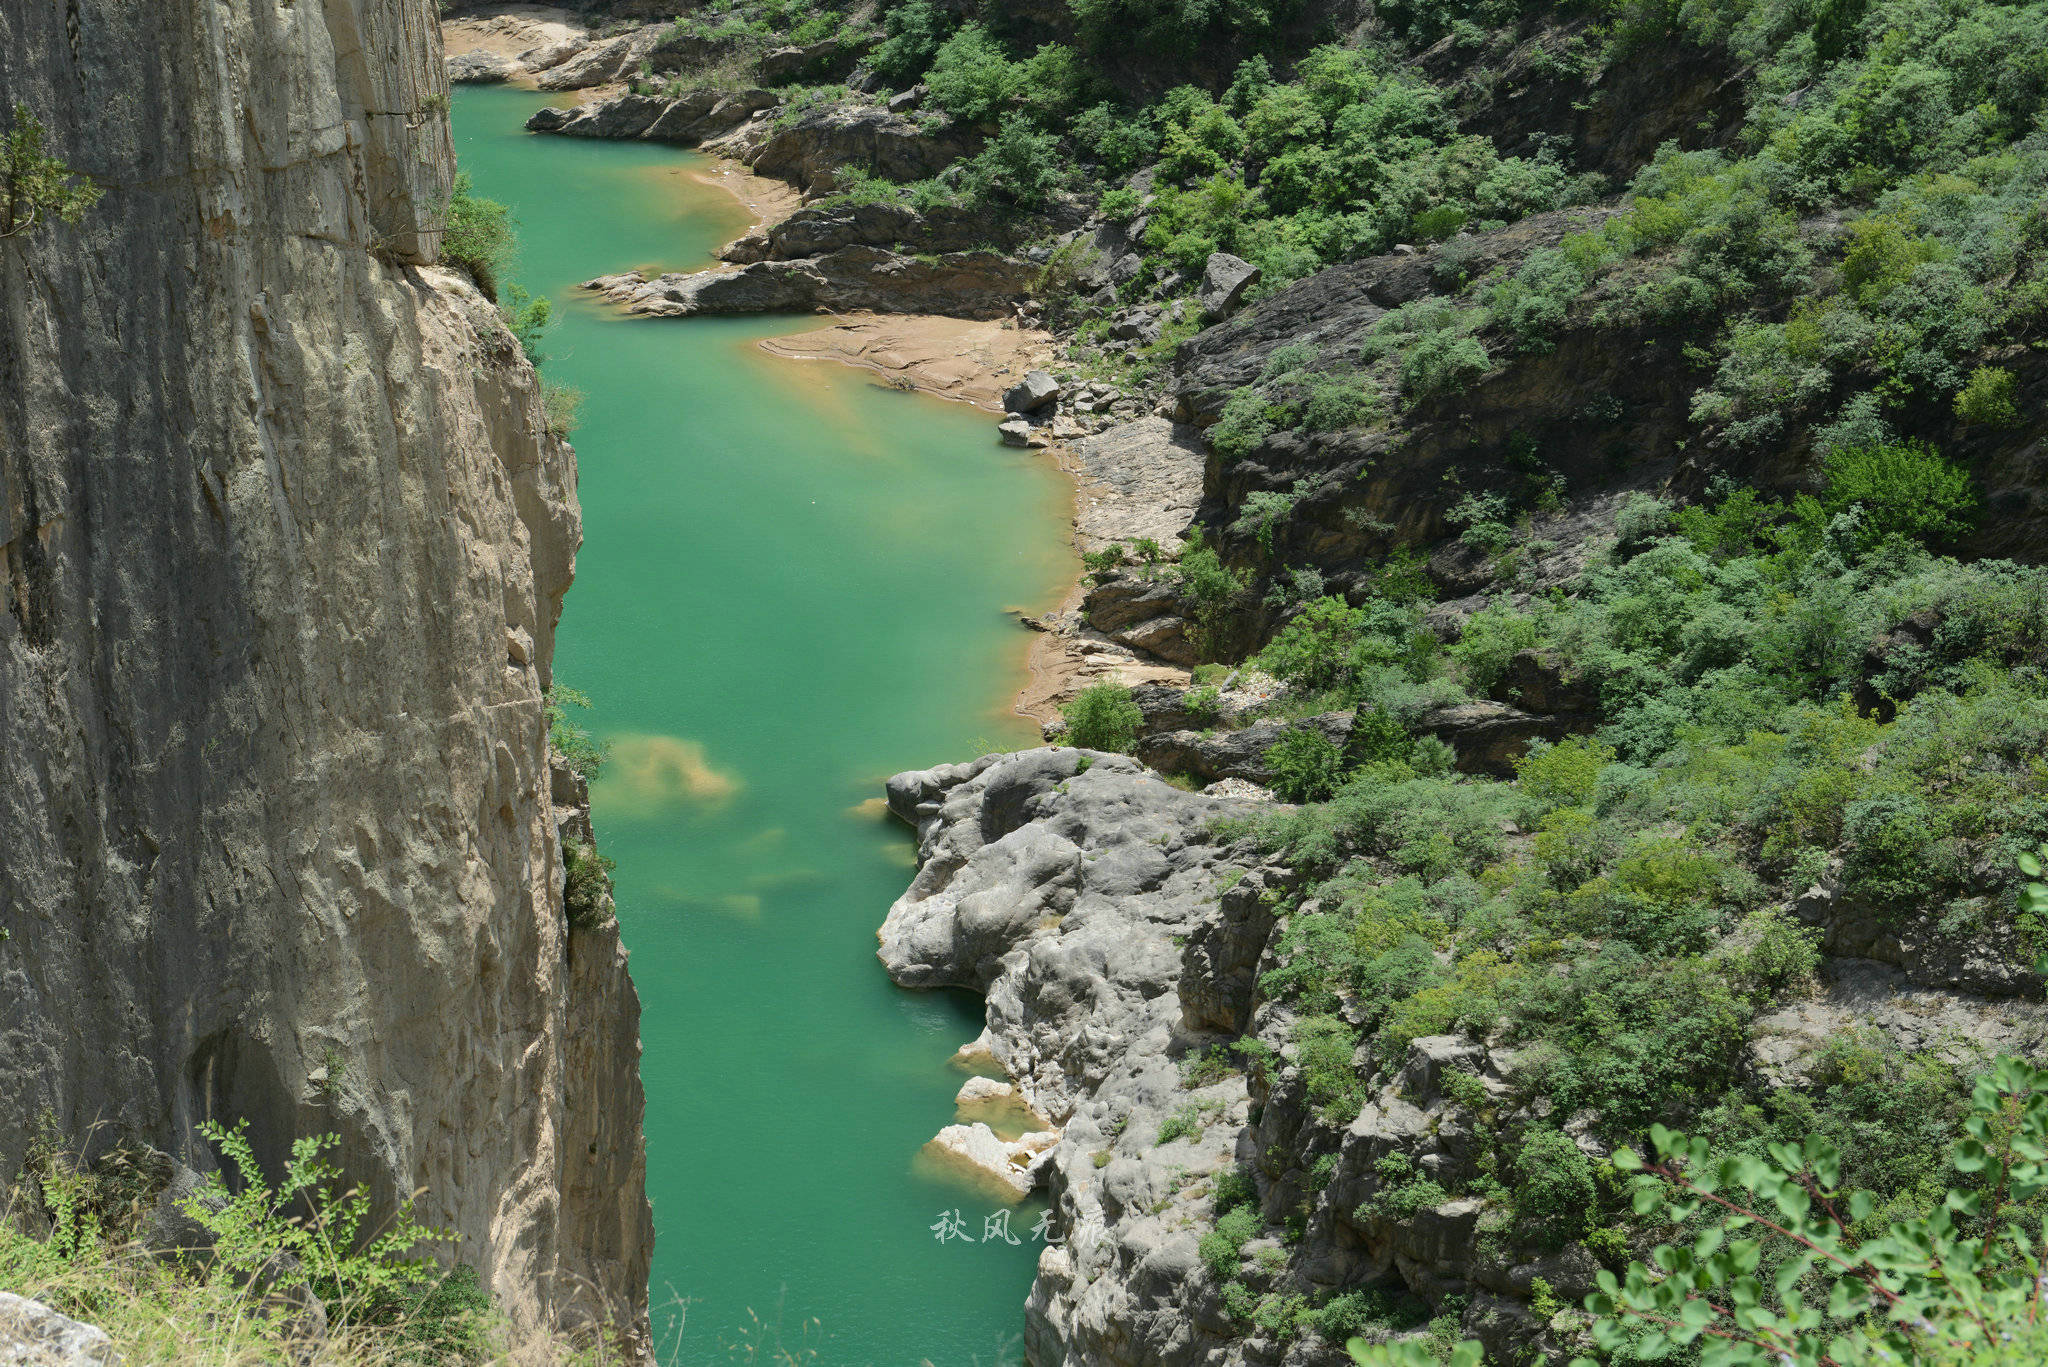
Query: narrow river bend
x,y
793,583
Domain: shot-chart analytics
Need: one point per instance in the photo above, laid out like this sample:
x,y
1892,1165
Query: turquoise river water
x,y
793,583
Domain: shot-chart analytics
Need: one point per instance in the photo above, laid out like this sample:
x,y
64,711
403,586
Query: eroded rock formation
x,y
285,539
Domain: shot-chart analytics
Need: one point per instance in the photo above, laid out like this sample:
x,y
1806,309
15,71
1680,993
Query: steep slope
x,y
285,541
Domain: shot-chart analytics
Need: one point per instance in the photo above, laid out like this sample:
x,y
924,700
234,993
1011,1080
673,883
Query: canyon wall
x,y
284,541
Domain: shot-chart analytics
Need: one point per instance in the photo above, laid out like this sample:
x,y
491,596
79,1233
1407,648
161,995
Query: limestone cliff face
x,y
283,541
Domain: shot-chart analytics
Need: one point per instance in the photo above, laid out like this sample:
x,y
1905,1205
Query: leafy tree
x,y
1307,765
916,31
1904,489
972,76
1103,717
34,186
1020,166
478,236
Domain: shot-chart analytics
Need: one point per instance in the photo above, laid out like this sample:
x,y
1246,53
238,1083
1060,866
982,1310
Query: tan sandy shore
x,y
970,362
954,358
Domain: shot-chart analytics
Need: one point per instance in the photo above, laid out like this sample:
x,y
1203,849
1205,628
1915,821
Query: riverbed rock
x,y
1015,432
811,152
34,1335
1035,391
976,284
817,229
1138,479
688,120
601,63
1121,599
1225,278
1006,1170
482,68
1031,870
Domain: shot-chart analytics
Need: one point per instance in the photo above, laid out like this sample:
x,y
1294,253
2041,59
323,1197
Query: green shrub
x,y
1188,1122
1903,490
569,738
1566,774
478,236
1441,364
1306,764
1244,423
1020,166
36,187
1103,717
1988,398
1213,592
586,886
1323,1047
972,77
1554,1186
1490,640
916,30
528,318
1222,1248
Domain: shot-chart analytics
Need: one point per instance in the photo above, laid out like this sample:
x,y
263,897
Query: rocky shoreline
x,y
914,297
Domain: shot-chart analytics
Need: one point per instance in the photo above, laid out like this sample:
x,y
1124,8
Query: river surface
x,y
793,583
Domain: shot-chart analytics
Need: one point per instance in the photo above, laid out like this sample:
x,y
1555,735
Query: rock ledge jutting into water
x,y
977,284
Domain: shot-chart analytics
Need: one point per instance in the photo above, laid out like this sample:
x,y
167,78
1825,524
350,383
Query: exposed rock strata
x,y
285,543
1113,935
959,284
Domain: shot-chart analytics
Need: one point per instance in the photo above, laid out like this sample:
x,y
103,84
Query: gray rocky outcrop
x,y
34,1335
815,148
482,68
600,63
961,284
1037,390
818,229
687,120
1137,479
285,540
1225,279
1235,754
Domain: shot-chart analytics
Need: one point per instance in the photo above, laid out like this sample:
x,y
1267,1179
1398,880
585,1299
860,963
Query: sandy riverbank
x,y
975,362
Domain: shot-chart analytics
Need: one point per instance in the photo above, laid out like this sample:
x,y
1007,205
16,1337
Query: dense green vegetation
x,y
1785,700
1616,912
283,1271
1103,717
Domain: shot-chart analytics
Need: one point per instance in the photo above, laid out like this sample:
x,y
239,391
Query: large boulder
x,y
810,151
601,63
1235,754
817,229
34,1335
1036,390
958,284
481,68
1224,281
689,119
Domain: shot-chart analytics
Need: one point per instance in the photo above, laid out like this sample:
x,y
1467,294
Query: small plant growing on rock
x,y
586,886
34,186
569,738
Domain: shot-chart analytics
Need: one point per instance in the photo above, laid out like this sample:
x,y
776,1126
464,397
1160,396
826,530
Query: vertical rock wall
x,y
283,542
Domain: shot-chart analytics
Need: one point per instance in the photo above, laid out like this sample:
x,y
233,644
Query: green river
x,y
793,583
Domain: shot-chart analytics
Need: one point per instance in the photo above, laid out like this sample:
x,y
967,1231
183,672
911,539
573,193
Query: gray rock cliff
x,y
284,542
